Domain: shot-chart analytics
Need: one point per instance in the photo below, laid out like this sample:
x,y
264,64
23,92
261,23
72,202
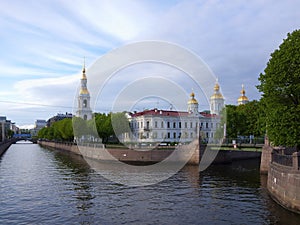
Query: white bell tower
x,y
216,100
84,110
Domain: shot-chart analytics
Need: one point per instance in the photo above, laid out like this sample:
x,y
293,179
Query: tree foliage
x,y
243,120
280,87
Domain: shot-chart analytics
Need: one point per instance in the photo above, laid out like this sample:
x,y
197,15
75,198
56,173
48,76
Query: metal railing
x,y
285,160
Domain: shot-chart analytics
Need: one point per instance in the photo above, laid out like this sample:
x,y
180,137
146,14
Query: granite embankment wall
x,y
283,172
228,156
127,155
96,151
4,146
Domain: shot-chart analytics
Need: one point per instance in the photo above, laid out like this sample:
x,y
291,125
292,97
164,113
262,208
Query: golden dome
x,y
217,94
84,91
242,98
217,87
192,100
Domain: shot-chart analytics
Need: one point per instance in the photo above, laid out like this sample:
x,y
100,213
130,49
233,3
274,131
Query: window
x,y
185,124
155,124
84,103
191,134
174,125
138,124
206,125
162,124
174,135
168,125
147,126
169,135
179,124
85,117
191,124
179,136
141,124
212,125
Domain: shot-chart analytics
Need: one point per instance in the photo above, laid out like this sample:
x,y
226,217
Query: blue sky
x,y
43,44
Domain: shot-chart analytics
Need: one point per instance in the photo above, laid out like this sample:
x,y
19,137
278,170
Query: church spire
x,y
84,111
83,69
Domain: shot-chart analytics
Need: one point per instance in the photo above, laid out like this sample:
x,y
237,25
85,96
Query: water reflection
x,y
50,187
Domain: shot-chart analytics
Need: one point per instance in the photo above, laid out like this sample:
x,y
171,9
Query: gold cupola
x,y
192,99
217,94
83,89
243,98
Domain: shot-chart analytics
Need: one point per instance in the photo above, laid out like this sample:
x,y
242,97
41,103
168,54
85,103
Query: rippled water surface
x,y
41,186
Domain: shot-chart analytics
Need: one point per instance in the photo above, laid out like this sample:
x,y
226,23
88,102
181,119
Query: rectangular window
x,y
191,124
179,124
191,134
169,135
206,125
168,125
141,124
212,125
138,124
174,125
174,135
155,124
185,124
162,124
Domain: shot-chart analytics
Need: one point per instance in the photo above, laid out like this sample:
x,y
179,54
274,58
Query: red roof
x,y
157,112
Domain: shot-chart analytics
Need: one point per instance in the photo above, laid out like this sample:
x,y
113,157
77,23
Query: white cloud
x,y
43,43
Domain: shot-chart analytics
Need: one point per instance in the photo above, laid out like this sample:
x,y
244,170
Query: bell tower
x,y
84,110
216,100
193,104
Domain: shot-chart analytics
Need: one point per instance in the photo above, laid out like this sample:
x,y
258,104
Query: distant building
x,y
5,126
84,110
243,99
157,125
58,117
38,125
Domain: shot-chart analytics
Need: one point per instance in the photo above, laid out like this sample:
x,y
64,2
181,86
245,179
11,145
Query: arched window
x,y
84,103
85,117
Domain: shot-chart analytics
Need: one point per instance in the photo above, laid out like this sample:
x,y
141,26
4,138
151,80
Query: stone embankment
x,y
182,152
99,152
4,146
283,169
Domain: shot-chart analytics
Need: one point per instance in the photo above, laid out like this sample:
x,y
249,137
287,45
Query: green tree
x,y
120,123
280,87
104,126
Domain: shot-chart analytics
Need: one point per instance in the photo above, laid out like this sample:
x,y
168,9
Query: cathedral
x,y
84,109
157,125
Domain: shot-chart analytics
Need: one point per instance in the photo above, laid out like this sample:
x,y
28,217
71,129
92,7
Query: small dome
x,y
84,91
217,87
192,100
243,98
217,96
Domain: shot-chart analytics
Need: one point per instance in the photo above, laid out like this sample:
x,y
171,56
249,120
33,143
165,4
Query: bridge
x,y
24,137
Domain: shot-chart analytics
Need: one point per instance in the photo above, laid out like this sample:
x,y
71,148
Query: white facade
x,y
84,109
172,126
216,101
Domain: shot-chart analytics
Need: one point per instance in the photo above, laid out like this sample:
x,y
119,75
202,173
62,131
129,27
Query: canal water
x,y
41,186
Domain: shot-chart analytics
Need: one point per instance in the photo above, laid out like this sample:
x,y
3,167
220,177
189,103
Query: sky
x,y
43,44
